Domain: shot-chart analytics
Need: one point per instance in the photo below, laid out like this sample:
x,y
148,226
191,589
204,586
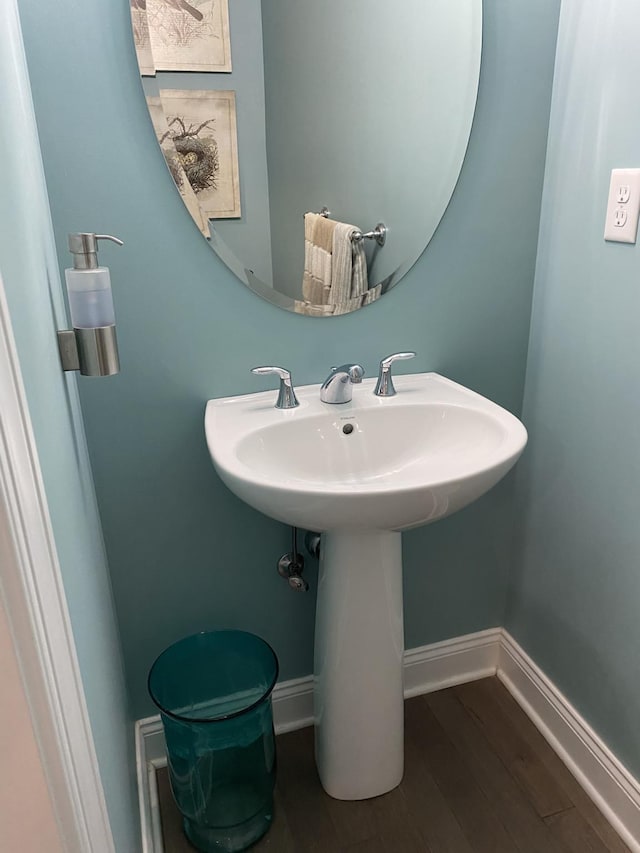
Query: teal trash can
x,y
214,694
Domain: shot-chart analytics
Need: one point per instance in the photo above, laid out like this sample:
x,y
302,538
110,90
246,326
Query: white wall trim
x,y
428,668
32,590
293,705
603,776
150,755
450,662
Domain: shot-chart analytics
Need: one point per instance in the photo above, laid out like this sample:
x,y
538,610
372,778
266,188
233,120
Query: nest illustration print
x,y
182,35
174,163
196,129
202,128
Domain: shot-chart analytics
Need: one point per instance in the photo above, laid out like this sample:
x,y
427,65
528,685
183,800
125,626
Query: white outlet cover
x,y
621,225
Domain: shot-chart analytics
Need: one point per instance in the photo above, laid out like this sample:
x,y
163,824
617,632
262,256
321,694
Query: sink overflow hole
x,y
347,429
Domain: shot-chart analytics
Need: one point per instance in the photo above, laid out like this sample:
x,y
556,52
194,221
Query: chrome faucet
x,y
384,386
338,386
286,395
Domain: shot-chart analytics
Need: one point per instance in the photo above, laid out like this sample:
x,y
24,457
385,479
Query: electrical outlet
x,y
623,192
620,217
623,206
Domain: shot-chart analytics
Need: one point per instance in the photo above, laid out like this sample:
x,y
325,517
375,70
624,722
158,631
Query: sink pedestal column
x,y
358,674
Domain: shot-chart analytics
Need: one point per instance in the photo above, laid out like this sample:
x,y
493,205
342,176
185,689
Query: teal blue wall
x,y
29,268
576,593
184,553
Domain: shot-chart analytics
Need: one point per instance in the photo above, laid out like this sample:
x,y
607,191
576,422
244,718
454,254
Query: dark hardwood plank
x,y
527,828
395,825
541,786
304,801
429,810
474,812
370,845
382,820
575,792
407,839
354,822
576,833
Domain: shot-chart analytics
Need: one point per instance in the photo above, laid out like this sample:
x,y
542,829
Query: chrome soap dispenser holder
x,y
91,349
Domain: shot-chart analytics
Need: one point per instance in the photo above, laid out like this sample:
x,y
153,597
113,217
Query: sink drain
x,y
347,429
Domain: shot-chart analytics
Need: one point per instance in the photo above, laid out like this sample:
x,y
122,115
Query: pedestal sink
x,y
361,472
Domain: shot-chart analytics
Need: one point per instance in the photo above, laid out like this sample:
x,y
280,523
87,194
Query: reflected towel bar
x,y
379,233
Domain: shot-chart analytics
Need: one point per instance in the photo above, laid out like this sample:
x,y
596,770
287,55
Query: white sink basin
x,y
360,472
404,461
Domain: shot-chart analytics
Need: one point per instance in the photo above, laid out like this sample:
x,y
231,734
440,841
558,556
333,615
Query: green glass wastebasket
x,y
213,690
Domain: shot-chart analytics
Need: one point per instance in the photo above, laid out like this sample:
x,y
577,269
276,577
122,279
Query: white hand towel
x,y
318,262
335,267
349,270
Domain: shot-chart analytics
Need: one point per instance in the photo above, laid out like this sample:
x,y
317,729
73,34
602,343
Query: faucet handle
x,y
354,371
384,386
286,395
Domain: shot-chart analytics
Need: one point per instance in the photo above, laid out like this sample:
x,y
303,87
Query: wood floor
x,y
479,778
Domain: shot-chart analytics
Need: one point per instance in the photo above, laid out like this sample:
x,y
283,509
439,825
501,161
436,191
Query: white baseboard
x,y
293,705
426,669
450,662
604,778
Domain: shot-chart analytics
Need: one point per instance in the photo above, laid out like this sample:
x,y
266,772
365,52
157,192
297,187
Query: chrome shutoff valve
x,y
298,583
290,566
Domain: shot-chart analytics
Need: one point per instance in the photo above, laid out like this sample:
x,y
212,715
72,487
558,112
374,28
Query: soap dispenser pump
x,y
91,347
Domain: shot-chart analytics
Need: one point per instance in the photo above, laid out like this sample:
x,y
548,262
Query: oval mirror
x,y
315,144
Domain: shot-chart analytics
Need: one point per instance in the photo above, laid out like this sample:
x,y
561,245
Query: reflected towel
x,y
349,270
315,310
335,267
318,248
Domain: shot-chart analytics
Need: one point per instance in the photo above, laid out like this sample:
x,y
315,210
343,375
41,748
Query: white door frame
x,y
33,594
31,584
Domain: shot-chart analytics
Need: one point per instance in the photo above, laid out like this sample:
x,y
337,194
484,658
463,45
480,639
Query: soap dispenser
x,y
91,346
89,285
